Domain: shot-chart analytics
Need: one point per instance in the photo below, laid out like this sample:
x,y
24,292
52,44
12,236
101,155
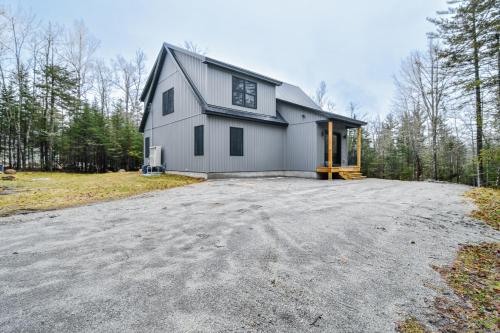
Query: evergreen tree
x,y
466,34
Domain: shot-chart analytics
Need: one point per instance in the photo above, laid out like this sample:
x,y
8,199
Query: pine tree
x,y
466,34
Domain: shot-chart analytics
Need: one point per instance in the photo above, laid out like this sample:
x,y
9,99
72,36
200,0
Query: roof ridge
x,y
183,50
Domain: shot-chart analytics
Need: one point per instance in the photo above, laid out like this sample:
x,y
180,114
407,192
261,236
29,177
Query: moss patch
x,y
475,278
410,325
488,203
35,191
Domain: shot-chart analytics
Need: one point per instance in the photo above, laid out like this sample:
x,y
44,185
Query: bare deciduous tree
x,y
423,73
321,98
193,47
21,27
103,78
78,52
129,78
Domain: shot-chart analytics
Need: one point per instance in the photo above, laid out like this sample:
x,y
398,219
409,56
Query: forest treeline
x,y
444,122
62,107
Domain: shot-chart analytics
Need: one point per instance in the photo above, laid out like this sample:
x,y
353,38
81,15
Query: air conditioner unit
x,y
155,156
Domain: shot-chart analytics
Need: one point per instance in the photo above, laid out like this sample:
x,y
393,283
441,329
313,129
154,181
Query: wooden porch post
x,y
330,149
358,146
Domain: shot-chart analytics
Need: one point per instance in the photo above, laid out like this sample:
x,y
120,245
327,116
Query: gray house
x,y
213,119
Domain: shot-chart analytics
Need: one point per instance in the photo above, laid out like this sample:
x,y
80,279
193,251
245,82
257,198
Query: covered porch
x,y
336,161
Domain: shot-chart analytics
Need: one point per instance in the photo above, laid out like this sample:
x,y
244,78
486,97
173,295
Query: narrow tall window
x,y
244,93
146,147
168,101
235,141
198,141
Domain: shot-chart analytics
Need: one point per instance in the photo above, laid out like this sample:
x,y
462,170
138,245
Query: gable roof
x,y
237,114
291,94
285,92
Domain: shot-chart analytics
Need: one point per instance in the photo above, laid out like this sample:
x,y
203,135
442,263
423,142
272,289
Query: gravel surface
x,y
254,255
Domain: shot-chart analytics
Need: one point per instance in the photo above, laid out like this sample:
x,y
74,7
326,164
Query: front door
x,y
336,146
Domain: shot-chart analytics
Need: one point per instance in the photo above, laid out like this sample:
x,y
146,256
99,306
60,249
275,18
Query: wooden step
x,y
351,175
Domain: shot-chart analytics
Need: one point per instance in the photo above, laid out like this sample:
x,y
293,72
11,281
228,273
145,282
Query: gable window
x,y
168,101
235,141
146,147
198,141
244,93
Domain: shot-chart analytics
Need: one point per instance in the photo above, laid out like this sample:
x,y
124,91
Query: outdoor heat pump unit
x,y
155,156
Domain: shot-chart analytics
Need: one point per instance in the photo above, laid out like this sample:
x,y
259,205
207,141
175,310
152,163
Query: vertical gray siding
x,y
298,147
301,143
302,138
175,132
263,146
196,70
177,142
219,92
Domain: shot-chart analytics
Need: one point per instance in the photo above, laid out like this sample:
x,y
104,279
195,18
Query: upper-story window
x,y
168,101
244,93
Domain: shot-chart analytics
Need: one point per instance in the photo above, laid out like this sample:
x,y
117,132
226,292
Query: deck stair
x,y
351,175
348,173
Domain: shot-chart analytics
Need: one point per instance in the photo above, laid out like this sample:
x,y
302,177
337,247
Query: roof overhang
x,y
347,123
243,115
152,81
329,115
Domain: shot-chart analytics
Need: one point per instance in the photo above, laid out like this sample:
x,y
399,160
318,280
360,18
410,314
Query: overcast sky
x,y
354,46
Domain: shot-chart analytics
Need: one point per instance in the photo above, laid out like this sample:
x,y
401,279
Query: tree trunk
x,y
479,112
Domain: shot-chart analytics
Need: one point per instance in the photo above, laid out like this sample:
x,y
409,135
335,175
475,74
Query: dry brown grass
x,y
35,191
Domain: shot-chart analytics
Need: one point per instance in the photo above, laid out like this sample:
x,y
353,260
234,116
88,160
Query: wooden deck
x,y
349,172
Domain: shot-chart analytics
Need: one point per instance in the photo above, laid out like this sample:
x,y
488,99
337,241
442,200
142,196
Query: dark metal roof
x,y
240,70
295,95
197,93
329,115
152,81
151,86
285,92
237,114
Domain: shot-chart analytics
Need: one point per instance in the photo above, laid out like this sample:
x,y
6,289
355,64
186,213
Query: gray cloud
x,y
355,46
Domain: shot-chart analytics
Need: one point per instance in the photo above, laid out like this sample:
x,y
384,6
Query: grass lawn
x,y
474,276
34,191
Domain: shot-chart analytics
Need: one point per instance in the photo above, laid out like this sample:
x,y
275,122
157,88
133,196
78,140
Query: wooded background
x,y
444,120
61,107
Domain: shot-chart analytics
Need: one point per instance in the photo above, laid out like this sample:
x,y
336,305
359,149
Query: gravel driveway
x,y
258,255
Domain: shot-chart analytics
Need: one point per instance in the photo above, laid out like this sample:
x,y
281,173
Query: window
x,y
198,140
146,147
235,141
244,93
168,102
